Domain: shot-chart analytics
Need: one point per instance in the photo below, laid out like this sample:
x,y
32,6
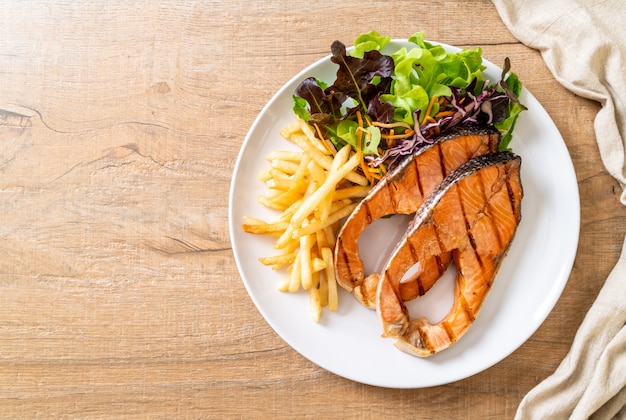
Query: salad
x,y
388,106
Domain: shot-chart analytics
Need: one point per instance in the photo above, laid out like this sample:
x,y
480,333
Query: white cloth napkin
x,y
583,43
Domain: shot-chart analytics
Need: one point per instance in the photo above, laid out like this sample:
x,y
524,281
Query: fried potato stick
x,y
313,190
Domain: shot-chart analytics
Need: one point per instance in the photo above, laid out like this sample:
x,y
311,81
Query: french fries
x,y
313,190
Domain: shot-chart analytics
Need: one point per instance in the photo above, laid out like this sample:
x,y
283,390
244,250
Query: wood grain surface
x,y
119,128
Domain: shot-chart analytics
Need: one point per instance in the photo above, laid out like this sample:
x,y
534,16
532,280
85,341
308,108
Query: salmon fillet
x,y
402,191
473,216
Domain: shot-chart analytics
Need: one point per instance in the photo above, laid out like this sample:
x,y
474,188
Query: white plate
x,y
348,342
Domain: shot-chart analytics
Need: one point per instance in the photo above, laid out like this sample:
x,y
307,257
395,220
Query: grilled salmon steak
x,y
402,191
472,215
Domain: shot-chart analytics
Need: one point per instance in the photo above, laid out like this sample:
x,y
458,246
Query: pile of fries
x,y
313,189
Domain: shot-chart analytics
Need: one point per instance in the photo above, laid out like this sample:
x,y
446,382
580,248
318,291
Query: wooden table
x,y
119,129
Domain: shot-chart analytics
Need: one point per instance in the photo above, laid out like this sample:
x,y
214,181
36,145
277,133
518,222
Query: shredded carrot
x,y
442,114
330,146
368,120
391,141
429,119
362,130
398,136
392,125
364,167
325,142
359,133
430,106
359,147
374,173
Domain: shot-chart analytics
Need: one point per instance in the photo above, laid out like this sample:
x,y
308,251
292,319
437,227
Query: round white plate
x,y
348,342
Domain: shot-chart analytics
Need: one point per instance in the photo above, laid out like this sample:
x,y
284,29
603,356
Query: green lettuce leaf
x,y
371,41
429,70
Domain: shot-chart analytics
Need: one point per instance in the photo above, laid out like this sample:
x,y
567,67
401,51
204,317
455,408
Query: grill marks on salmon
x,y
402,191
472,216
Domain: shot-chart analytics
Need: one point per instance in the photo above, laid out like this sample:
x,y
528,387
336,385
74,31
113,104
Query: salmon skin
x,y
473,215
402,191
